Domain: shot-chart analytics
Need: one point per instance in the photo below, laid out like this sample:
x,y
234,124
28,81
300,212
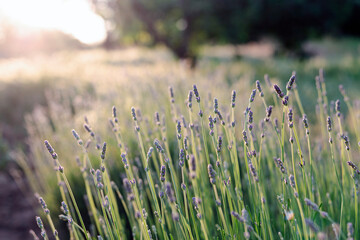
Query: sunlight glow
x,y
73,17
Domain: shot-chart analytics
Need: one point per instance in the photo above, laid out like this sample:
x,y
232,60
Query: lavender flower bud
x,y
161,194
186,143
285,100
312,225
51,150
39,222
253,171
280,165
252,95
201,113
103,151
190,96
64,208
220,117
127,185
44,206
219,144
337,107
158,146
347,142
183,121
278,91
216,105
353,166
145,215
237,216
312,205
245,137
42,203
196,201
290,118
151,149
245,215
350,230
305,121
251,119
196,93
149,232
88,129
133,113
212,174
324,214
292,181
192,167
233,98
162,173
124,160
268,113
276,124
291,82
258,87
169,192
114,111
211,126
77,137
329,123
98,179
181,157
178,128
171,95
157,118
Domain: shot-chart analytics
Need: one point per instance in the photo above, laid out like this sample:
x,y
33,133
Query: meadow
x,y
132,144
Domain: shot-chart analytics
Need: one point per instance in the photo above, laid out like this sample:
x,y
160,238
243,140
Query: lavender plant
x,y
221,170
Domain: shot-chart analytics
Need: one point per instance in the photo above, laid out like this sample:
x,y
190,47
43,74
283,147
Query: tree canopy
x,y
183,25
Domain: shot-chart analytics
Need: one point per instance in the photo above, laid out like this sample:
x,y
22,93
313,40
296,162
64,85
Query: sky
x,y
74,17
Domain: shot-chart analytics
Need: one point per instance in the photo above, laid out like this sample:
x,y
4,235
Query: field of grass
x,y
198,161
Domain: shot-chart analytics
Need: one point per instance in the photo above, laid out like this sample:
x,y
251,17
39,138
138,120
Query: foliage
x,y
185,25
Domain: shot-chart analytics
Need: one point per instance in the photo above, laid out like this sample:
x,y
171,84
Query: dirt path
x,y
17,214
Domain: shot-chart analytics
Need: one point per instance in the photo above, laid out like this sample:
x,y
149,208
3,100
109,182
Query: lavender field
x,y
132,144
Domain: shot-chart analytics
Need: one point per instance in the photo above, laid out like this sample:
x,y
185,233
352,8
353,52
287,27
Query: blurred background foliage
x,y
184,25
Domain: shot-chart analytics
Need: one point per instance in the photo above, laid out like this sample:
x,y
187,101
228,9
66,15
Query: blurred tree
x,y
183,25
294,21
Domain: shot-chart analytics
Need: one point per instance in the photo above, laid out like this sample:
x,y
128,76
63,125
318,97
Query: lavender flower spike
x,y
291,82
278,91
233,98
252,95
258,87
196,93
50,149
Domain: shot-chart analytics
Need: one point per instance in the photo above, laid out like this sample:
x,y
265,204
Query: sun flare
x,y
73,17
